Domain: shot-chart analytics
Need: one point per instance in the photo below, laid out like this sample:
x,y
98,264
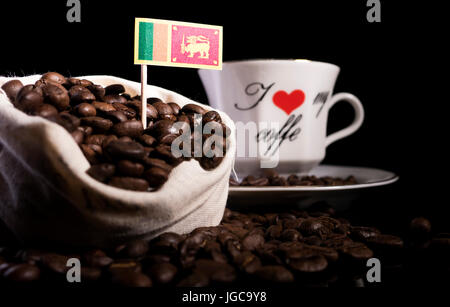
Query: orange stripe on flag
x,y
160,43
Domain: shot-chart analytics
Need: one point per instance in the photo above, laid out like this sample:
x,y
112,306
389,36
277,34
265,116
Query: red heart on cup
x,y
288,102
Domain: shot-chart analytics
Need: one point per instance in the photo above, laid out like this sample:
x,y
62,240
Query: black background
x,y
398,69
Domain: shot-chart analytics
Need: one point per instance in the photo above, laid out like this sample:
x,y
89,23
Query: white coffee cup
x,y
289,101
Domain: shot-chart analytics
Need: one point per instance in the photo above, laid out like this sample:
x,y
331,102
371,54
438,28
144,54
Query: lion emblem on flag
x,y
196,44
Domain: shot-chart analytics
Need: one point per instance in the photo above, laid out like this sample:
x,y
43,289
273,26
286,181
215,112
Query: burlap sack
x,y
45,194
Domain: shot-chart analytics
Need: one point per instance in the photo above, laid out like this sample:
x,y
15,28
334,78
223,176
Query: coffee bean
x,y
162,273
103,107
55,262
90,274
29,98
78,136
125,150
102,172
420,226
274,273
114,89
315,263
97,258
133,249
113,99
22,273
130,168
97,90
68,121
116,116
210,163
357,251
215,271
79,94
54,77
121,266
156,176
253,241
45,110
11,89
212,116
385,241
175,107
194,280
129,183
147,140
99,124
192,109
131,128
86,109
56,95
163,127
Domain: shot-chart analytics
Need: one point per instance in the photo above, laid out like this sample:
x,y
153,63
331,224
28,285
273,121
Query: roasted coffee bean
x,y
147,140
163,127
29,98
164,152
274,273
22,273
90,273
215,271
175,108
114,89
97,258
210,163
156,176
150,100
56,95
97,90
357,251
131,128
78,136
133,249
315,263
363,233
420,226
55,262
131,279
163,109
252,241
45,110
102,172
194,280
130,168
86,109
192,109
129,183
99,124
211,116
103,107
290,235
79,94
11,89
54,77
125,150
162,273
113,99
68,121
116,116
385,241
121,266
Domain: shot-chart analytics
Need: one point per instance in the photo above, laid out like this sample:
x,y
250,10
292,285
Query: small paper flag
x,y
174,43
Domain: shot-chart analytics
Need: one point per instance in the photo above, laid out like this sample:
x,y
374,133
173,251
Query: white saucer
x,y
366,178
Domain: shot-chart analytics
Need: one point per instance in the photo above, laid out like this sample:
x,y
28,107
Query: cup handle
x,y
359,117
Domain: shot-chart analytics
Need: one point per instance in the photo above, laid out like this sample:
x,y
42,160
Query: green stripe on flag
x,y
145,41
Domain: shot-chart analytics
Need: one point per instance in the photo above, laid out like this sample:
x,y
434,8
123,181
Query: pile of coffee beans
x,y
105,123
300,247
272,178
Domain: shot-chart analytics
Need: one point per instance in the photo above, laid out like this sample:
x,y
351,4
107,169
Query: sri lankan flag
x,y
174,43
